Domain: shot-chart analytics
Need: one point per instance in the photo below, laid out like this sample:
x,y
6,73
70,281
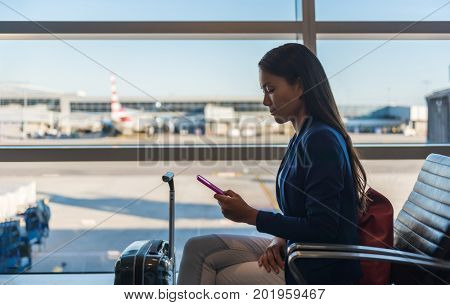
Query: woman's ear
x,y
299,86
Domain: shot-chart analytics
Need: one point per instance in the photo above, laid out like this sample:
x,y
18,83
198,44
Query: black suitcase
x,y
150,262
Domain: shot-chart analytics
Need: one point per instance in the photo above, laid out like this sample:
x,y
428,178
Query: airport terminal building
x,y
221,116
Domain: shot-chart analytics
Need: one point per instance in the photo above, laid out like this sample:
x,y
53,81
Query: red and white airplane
x,y
122,121
127,121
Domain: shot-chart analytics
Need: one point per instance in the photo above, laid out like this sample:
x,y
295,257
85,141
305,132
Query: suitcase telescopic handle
x,y
168,177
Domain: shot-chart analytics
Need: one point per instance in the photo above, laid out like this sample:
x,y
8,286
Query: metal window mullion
x,y
171,30
155,153
310,29
309,25
375,30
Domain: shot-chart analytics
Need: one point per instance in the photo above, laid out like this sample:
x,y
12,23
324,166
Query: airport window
x,y
153,10
80,91
396,84
85,195
390,101
381,10
196,90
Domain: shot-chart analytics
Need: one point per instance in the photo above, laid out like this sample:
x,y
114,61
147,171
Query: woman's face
x,y
281,97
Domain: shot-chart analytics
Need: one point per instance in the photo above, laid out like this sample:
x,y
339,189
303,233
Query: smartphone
x,y
210,185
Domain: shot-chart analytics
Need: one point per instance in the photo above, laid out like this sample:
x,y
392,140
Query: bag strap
x,y
343,145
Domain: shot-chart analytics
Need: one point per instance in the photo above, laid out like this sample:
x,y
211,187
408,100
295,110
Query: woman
x,y
320,188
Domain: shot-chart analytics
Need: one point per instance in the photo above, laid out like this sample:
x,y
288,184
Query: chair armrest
x,y
353,252
355,249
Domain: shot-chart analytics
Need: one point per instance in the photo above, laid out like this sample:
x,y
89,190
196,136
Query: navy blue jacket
x,y
315,192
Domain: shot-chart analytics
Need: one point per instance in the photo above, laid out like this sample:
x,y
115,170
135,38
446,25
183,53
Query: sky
x,y
399,72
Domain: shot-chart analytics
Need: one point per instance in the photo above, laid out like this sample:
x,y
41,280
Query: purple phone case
x,y
210,185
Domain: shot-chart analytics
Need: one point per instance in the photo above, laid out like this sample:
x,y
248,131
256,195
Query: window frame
x,y
309,30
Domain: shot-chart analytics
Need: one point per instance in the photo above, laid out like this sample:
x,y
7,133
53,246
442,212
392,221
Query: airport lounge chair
x,y
421,233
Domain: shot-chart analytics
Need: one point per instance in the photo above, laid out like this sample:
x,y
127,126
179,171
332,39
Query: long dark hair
x,y
294,61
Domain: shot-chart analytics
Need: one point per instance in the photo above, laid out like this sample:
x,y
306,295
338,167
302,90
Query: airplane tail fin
x,y
115,104
118,113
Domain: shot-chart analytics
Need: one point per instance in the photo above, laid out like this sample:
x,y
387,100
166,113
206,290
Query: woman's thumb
x,y
230,193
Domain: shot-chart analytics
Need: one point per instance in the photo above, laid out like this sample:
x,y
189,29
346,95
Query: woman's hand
x,y
235,208
273,257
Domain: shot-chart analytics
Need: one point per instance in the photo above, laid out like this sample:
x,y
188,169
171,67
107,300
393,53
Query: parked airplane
x,y
126,121
119,121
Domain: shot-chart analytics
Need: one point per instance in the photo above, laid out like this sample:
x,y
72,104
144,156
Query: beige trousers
x,y
221,259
